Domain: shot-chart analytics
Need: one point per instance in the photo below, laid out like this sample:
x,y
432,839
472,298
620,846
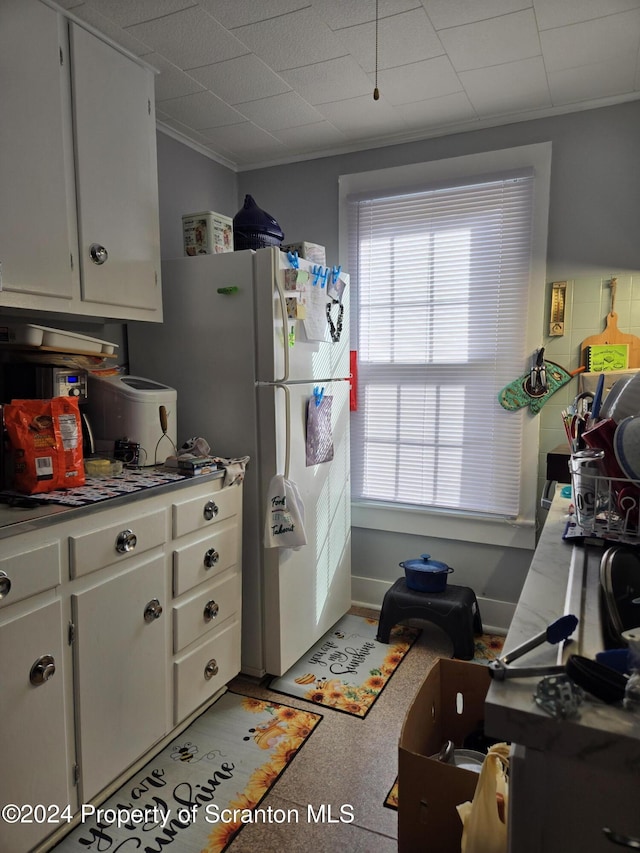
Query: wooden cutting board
x,y
612,334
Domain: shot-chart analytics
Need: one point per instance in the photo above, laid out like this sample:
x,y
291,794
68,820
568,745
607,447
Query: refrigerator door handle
x,y
285,336
287,427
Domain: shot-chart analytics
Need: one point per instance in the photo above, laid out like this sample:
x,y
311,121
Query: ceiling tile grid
x,y
258,82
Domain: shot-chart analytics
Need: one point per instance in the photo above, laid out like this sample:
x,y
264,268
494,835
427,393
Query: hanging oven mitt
x,y
284,523
522,392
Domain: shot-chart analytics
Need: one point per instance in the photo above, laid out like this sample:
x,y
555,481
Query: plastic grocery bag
x,y
284,524
484,821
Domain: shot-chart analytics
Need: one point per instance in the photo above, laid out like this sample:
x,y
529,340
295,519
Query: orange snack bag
x,y
46,442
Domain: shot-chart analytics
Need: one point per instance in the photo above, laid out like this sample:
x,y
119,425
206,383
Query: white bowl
x,y
623,400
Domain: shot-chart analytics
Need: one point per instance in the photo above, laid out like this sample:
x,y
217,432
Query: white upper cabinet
x,y
79,231
117,176
38,236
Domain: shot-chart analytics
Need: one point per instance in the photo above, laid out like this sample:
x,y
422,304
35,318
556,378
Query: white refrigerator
x,y
245,373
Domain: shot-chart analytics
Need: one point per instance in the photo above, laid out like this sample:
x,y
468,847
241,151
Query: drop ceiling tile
x,y
280,111
202,110
437,112
245,78
447,13
329,81
513,87
363,118
182,128
189,39
402,39
428,79
126,40
348,13
551,13
591,41
504,39
292,41
232,13
311,137
595,80
171,82
127,12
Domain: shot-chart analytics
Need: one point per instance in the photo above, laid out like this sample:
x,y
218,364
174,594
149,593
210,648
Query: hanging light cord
x,y
376,93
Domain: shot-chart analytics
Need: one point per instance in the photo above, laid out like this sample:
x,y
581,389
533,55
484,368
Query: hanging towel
x,y
233,469
284,523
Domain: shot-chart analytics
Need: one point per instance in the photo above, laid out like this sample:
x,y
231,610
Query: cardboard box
x,y
312,252
448,706
207,233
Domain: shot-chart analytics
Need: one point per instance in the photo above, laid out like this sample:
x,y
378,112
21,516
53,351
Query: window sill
x,y
441,525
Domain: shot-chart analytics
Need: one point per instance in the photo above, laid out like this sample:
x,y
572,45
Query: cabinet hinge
x,y
71,260
76,774
149,106
71,636
61,56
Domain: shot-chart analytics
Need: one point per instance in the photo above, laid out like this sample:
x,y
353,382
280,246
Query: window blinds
x,y
441,277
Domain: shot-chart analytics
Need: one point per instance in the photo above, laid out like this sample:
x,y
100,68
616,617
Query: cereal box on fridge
x,y
207,233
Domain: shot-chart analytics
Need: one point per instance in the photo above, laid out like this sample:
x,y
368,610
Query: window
x,y
443,275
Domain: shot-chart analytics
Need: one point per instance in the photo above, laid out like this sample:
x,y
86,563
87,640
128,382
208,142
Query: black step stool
x,y
455,610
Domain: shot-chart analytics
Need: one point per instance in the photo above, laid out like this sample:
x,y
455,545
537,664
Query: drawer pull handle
x,y
42,670
153,610
211,558
211,669
211,610
5,585
210,510
126,541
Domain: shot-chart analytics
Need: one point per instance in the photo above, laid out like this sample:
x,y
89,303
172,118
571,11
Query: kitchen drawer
x,y
205,611
206,510
28,572
127,537
202,672
209,556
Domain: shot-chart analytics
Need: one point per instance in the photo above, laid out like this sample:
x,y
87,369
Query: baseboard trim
x,y
496,615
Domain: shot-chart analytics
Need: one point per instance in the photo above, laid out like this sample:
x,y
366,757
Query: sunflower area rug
x,y
199,792
488,647
348,668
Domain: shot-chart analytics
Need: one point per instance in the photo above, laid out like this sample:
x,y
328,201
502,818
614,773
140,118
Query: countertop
x,y
563,578
27,515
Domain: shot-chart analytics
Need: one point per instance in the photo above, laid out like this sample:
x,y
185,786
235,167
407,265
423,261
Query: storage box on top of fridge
x,y
207,233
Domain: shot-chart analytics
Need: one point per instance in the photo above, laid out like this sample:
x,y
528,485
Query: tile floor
x,y
347,761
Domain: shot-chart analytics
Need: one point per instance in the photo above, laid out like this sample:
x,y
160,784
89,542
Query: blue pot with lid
x,y
426,575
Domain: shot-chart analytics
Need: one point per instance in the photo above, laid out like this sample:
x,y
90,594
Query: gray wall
x,y
188,182
593,230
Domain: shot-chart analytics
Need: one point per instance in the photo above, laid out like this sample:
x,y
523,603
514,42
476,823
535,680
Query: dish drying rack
x,y
616,511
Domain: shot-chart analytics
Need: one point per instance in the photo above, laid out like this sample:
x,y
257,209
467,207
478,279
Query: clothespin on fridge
x,y
320,275
335,274
292,257
318,394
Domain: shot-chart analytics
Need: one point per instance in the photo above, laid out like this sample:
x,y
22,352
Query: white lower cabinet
x,y
116,626
37,762
121,697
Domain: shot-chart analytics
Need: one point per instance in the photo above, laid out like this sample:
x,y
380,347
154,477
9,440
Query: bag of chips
x,y
46,444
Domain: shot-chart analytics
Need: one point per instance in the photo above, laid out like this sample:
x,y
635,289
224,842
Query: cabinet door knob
x,y
153,610
211,669
211,558
210,510
5,585
211,610
42,670
98,254
126,541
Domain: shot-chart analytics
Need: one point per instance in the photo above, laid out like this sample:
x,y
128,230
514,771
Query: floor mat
x,y
348,668
199,791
